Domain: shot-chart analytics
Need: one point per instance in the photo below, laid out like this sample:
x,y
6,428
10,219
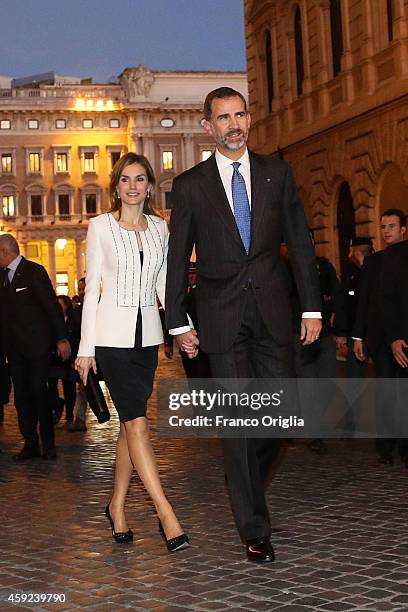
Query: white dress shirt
x,y
226,170
12,267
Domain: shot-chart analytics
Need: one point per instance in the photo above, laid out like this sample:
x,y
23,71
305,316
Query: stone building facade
x,y
60,136
328,90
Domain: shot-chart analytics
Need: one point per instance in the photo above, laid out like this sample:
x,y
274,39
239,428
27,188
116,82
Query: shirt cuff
x,y
354,338
179,330
312,315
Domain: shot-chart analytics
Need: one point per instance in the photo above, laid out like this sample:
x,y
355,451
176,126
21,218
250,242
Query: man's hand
x,y
168,351
188,342
83,365
400,355
64,349
310,330
358,349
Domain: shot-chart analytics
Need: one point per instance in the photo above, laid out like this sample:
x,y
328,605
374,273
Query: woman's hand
x,y
83,365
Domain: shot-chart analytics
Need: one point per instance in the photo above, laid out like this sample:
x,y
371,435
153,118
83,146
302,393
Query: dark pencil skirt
x,y
129,374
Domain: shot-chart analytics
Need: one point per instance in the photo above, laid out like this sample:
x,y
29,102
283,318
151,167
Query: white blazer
x,y
112,261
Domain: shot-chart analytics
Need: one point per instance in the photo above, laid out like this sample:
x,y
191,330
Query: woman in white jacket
x,y
126,261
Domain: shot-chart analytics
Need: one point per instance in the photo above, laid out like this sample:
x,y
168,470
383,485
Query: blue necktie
x,y
240,201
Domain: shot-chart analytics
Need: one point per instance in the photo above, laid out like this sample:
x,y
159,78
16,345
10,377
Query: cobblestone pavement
x,y
339,520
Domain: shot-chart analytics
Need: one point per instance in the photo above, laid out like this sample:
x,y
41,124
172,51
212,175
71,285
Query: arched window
x,y
336,35
345,225
269,68
390,19
300,67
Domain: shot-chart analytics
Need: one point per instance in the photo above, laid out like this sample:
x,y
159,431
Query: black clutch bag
x,y
96,398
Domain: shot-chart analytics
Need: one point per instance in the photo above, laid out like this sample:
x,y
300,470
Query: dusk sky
x,y
99,38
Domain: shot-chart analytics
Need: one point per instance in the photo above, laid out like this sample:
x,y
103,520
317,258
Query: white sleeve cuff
x,y
179,330
312,315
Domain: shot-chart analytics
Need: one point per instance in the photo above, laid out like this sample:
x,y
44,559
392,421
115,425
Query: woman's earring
x,y
148,194
117,194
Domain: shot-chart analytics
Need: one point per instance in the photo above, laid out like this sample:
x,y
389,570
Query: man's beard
x,y
233,146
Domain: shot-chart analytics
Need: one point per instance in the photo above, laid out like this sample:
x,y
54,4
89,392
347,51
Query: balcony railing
x,y
74,219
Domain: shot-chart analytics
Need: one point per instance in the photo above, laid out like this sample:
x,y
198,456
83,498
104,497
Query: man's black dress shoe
x,y
26,453
49,454
260,550
177,543
121,537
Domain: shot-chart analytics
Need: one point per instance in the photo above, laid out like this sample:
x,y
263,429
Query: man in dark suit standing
x,y
33,323
234,208
369,327
395,301
395,305
360,248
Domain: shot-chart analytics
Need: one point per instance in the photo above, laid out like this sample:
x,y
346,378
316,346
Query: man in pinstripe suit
x,y
235,208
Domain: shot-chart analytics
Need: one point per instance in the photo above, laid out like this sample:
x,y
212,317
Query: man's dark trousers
x,y
31,399
254,354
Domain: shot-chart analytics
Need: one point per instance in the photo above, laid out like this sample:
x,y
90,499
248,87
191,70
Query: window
x,y
5,124
205,154
63,206
6,163
36,206
61,162
114,123
167,159
9,205
89,161
336,35
87,123
34,163
269,69
390,19
90,203
60,124
61,286
300,66
115,156
32,251
33,124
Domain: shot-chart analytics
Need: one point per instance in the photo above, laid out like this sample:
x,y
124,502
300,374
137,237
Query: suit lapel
x,y
215,193
18,273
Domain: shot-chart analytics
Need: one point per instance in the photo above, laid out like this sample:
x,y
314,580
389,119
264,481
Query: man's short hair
x,y
397,212
220,93
10,243
361,241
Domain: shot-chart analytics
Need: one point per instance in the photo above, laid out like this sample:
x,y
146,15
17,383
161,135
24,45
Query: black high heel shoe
x,y
121,537
177,543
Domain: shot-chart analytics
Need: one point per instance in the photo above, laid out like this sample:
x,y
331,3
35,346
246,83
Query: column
x,y
369,75
188,146
23,248
347,55
324,46
51,262
78,257
401,35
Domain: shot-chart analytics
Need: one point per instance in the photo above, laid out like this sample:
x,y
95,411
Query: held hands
x,y
188,342
64,349
310,330
83,365
400,356
358,349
